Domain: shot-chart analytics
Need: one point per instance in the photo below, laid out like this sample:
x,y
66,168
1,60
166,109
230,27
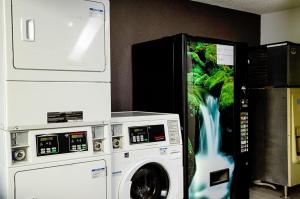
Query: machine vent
x,y
258,70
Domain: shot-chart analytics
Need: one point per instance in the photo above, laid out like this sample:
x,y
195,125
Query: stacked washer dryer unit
x,y
147,156
55,99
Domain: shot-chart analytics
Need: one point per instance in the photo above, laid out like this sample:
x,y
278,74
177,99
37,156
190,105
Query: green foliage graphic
x,y
208,77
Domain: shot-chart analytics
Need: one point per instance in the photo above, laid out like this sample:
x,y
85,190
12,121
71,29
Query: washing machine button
x,y
133,138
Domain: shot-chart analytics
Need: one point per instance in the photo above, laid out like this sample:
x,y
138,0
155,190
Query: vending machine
x,y
202,80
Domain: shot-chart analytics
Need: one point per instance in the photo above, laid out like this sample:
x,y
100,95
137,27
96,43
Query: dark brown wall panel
x,y
134,21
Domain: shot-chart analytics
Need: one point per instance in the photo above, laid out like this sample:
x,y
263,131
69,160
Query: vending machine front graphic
x,y
200,79
210,81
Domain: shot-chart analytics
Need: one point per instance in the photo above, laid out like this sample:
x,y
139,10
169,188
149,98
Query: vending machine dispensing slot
x,y
297,138
219,177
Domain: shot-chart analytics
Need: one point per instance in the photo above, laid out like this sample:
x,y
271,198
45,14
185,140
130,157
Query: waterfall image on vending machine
x,y
210,94
209,158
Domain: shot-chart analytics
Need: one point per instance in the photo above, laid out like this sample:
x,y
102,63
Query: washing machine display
x,y
146,134
59,143
47,145
78,141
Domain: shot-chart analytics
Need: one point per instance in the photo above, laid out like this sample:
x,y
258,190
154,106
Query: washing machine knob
x,y
97,146
19,155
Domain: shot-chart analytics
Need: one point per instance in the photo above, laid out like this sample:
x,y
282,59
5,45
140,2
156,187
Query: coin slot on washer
x,y
117,136
98,145
117,142
19,154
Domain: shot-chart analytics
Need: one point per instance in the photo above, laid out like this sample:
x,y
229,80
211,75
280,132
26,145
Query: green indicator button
x,y
54,150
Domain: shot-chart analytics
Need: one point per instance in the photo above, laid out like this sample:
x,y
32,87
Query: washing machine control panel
x,y
147,134
59,143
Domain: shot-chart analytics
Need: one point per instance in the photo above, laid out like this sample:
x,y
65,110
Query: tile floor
x,y
257,192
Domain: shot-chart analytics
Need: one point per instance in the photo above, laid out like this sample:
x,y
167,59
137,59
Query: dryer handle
x,y
27,29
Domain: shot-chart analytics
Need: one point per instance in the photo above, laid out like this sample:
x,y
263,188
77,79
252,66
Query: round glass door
x,y
151,181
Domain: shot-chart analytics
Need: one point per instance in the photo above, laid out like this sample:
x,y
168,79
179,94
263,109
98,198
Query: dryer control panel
x,y
147,134
59,143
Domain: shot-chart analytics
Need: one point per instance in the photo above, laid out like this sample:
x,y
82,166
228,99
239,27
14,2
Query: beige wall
x,y
281,26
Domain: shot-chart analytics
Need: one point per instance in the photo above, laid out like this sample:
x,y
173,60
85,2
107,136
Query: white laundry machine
x,y
147,156
56,163
54,63
55,99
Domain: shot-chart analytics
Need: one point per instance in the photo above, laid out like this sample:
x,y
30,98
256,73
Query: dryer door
x,y
76,181
151,181
59,35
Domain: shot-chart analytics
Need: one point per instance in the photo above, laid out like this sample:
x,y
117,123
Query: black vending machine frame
x,y
169,55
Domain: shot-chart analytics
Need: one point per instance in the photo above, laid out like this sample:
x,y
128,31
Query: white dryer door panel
x,y
67,35
76,181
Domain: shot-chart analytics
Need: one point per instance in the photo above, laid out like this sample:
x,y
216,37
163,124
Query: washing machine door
x,y
150,181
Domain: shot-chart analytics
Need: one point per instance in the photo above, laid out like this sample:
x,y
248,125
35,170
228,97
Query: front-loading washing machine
x,y
56,163
147,156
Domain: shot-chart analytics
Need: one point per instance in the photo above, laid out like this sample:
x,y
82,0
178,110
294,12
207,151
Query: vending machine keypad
x,y
244,126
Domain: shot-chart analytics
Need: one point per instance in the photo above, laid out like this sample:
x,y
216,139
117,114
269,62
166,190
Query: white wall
x,y
281,26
